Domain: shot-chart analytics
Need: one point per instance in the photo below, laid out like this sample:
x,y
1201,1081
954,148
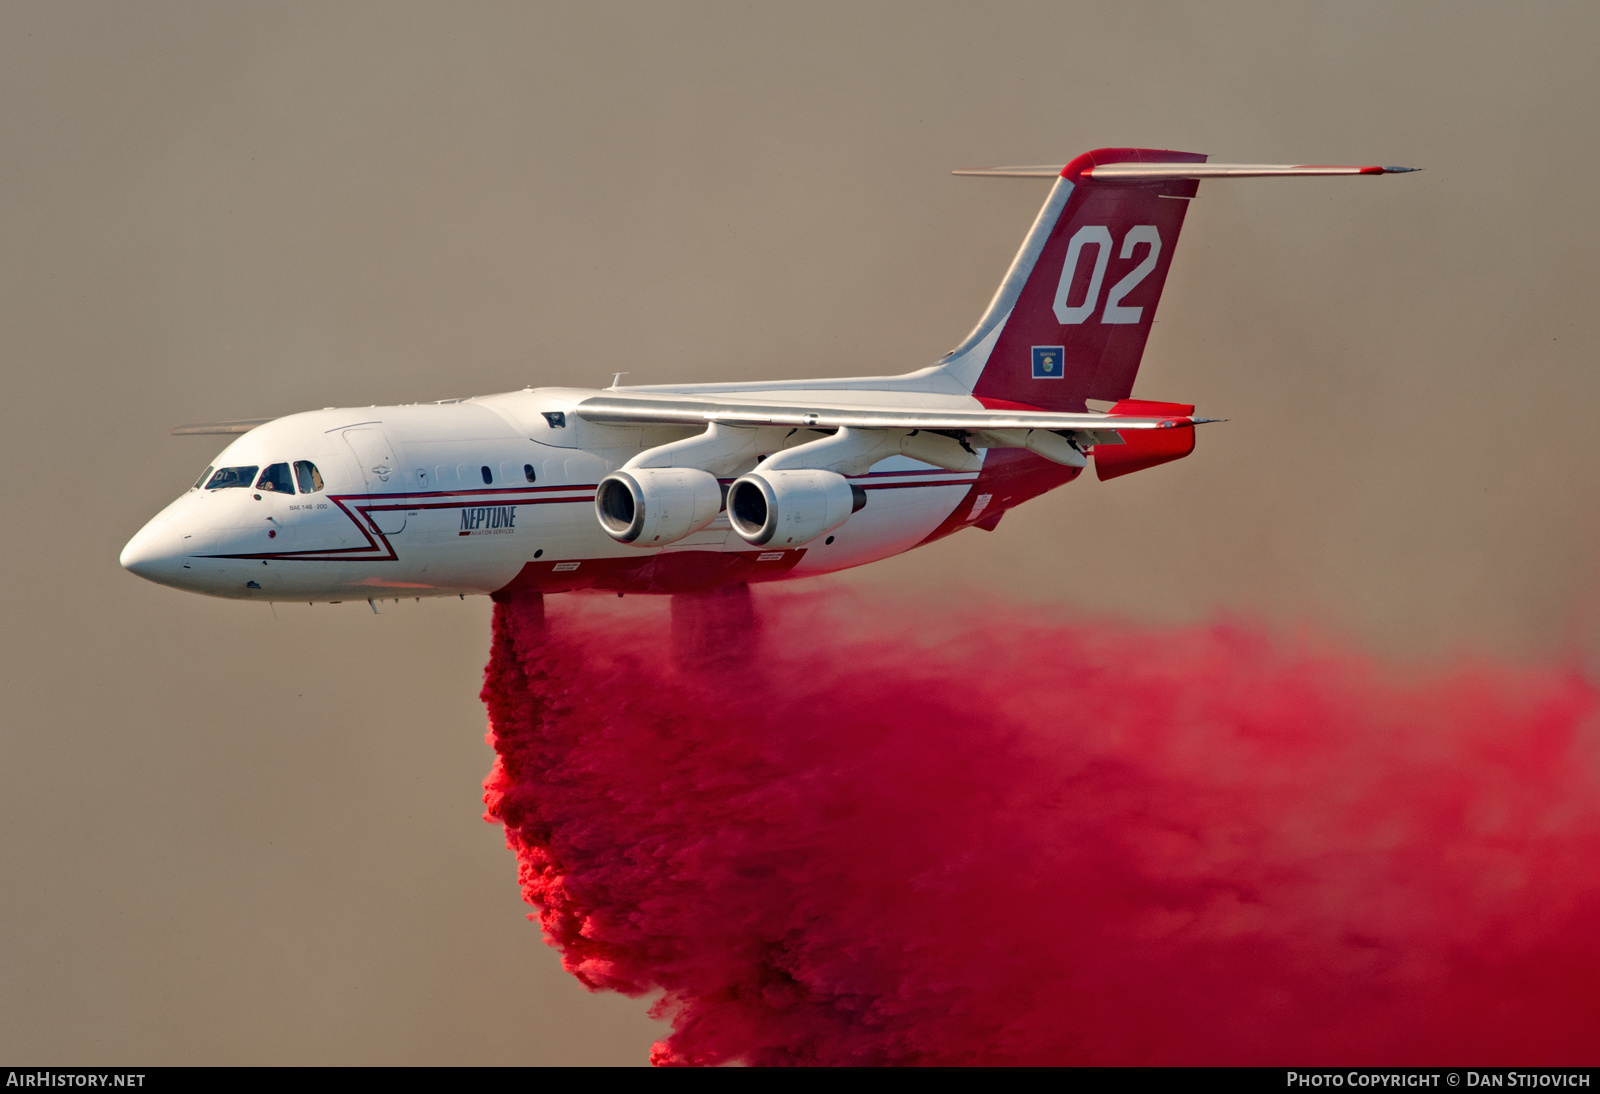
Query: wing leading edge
x,y
670,410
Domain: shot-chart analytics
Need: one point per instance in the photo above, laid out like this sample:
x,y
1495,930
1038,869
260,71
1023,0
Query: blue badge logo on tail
x,y
1047,362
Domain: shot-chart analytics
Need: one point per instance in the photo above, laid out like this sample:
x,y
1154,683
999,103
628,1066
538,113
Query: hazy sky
x,y
229,837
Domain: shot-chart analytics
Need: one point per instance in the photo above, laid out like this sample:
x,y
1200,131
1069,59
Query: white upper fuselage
x,y
463,497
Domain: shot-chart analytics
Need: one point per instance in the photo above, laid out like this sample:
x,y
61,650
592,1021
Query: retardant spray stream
x,y
884,836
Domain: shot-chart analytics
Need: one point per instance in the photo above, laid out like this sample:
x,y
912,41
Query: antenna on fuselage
x,y
616,380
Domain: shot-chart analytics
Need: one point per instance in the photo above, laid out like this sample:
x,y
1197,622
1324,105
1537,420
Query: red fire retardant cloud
x,y
987,837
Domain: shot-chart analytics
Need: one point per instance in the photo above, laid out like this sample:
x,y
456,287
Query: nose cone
x,y
156,553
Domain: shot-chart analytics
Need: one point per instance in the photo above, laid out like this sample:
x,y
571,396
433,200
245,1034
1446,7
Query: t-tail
x,y
1070,321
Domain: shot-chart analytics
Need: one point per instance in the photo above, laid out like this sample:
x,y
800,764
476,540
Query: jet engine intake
x,y
790,508
651,507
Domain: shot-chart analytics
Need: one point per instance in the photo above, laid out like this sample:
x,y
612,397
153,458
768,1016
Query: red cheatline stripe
x,y
372,552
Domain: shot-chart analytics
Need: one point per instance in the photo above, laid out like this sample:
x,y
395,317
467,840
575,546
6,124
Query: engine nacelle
x,y
789,508
652,506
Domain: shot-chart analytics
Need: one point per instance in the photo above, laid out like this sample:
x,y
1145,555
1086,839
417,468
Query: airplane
x,y
692,488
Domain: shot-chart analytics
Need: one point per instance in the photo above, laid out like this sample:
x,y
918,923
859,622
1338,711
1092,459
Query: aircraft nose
x,y
155,553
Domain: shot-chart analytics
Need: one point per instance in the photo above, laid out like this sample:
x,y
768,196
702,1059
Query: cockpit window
x,y
307,475
204,475
227,477
276,479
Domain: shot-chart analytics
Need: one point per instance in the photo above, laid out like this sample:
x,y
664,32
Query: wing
x,y
862,435
684,410
218,428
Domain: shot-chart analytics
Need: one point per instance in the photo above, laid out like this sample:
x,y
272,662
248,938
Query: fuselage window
x,y
307,475
488,476
227,477
204,475
527,469
276,479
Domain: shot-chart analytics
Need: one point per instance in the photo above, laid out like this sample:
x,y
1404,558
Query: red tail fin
x,y
1071,320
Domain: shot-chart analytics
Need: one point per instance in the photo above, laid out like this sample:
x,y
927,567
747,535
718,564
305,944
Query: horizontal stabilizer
x,y
1043,171
243,425
1152,171
1156,172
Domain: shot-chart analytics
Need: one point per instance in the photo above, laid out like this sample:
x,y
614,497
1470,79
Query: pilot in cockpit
x,y
276,478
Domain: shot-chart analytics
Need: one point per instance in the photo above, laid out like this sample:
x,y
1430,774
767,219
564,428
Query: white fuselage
x,y
483,494
682,489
